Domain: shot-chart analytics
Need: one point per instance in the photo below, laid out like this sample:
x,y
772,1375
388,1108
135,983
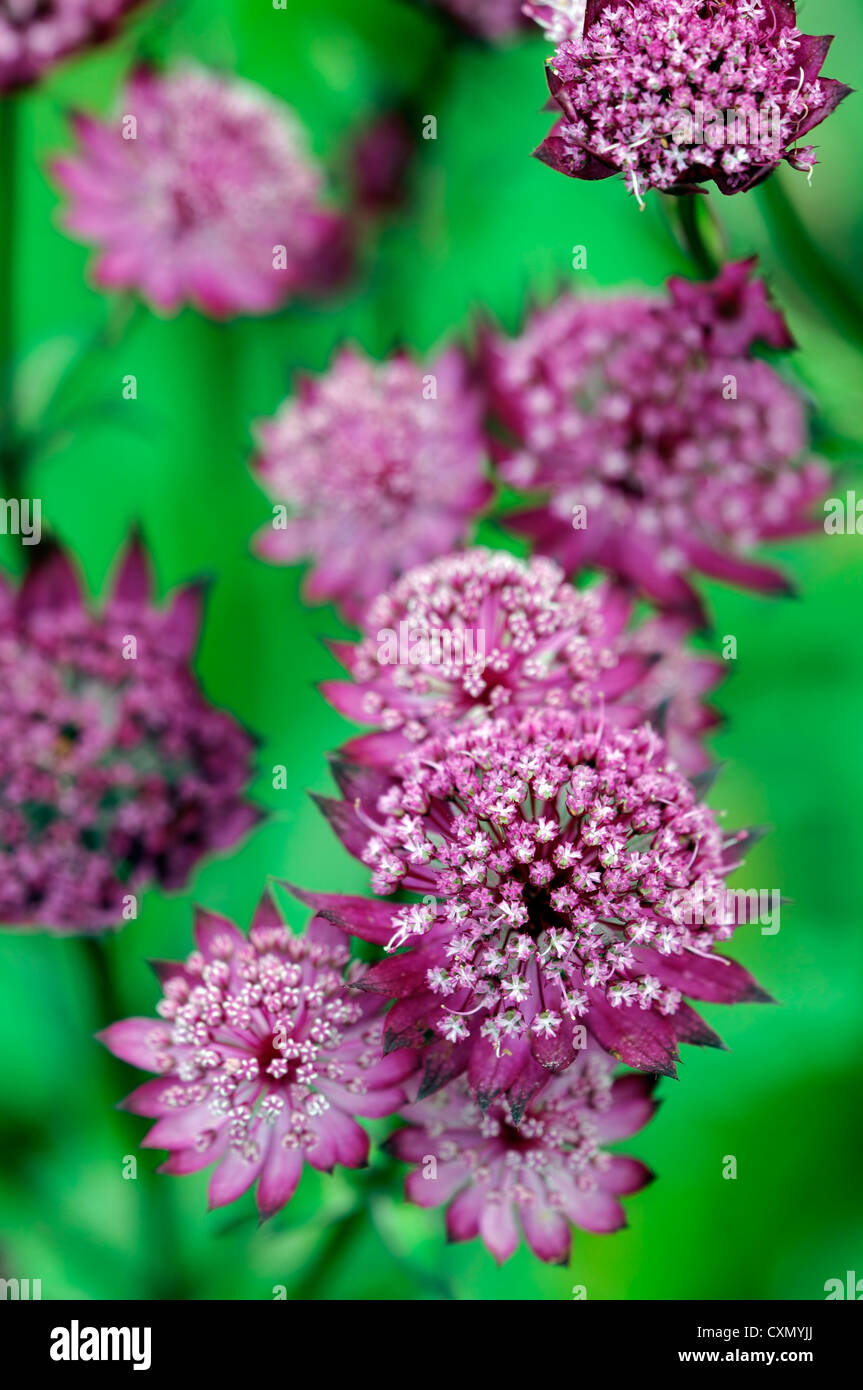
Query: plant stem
x,y
836,298
692,235
330,1251
9,111
167,1278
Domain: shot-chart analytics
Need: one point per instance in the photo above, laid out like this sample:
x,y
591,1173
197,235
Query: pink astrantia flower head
x,y
673,93
379,163
482,632
375,467
211,198
115,772
264,1054
563,870
35,35
540,1174
662,444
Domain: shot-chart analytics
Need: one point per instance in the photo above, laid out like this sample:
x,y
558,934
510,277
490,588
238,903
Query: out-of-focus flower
x,y
489,19
676,682
561,19
663,445
379,162
481,632
542,1173
35,35
115,773
375,467
673,93
570,881
203,191
264,1053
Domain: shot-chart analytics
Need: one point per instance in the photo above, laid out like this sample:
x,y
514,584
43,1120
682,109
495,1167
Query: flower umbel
x,y
378,466
264,1054
35,35
115,773
561,865
663,444
210,198
486,633
672,93
545,1171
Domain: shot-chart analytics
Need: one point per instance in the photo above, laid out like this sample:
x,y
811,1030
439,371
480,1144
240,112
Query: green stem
x,y
331,1251
836,298
167,1279
9,459
689,220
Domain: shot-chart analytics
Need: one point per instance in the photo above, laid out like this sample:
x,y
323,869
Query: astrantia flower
x,y
676,681
36,34
264,1054
564,869
482,632
379,162
663,445
673,93
540,1174
202,190
490,19
115,773
561,19
375,467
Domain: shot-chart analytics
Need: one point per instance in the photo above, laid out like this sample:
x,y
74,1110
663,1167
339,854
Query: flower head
x,y
378,466
35,35
662,444
673,93
564,869
481,632
542,1172
202,192
264,1053
380,161
115,772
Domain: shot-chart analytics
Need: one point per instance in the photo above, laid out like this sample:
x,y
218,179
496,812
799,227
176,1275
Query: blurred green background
x,y
484,225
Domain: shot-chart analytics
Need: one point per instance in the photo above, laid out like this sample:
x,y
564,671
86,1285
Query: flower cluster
x,y
560,866
663,445
481,632
264,1053
375,467
528,794
673,93
115,773
36,34
204,192
542,1170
